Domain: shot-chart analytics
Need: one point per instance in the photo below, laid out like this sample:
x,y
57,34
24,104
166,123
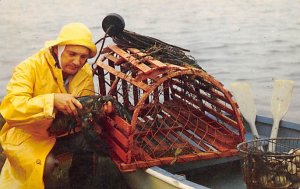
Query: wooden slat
x,y
149,59
222,117
212,136
209,89
166,86
149,143
113,88
123,76
184,131
158,136
130,59
221,129
141,153
112,77
139,127
206,119
120,124
209,136
135,92
101,78
117,135
144,133
180,159
124,156
196,140
193,101
158,130
152,75
207,99
111,58
125,91
179,139
218,115
116,60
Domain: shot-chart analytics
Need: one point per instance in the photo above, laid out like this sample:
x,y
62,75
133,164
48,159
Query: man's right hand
x,y
66,103
108,107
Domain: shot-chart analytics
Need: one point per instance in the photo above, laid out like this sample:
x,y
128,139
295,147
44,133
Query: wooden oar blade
x,y
281,97
243,95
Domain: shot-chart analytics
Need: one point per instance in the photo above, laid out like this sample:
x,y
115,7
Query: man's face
x,y
73,58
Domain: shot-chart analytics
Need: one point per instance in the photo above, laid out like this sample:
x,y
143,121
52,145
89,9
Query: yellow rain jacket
x,y
28,109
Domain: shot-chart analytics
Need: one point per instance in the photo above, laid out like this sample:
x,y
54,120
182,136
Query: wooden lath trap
x,y
178,113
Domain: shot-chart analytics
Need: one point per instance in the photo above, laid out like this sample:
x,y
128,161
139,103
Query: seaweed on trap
x,y
156,48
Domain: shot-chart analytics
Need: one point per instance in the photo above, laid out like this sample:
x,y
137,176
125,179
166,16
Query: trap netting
x,y
178,114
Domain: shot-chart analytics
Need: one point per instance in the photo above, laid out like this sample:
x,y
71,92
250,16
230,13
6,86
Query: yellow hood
x,y
75,34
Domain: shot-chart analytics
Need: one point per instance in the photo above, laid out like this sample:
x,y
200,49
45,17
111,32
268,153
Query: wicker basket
x,y
278,169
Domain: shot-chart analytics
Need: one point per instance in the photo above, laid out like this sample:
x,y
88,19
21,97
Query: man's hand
x,y
108,107
66,103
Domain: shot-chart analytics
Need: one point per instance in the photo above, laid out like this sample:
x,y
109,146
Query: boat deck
x,y
225,173
223,176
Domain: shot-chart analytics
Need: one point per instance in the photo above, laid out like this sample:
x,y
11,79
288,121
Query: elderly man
x,y
42,85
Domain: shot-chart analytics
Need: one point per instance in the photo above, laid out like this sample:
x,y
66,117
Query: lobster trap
x,y
271,170
178,113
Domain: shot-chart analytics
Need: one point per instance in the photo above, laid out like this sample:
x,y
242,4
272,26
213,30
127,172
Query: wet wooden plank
x,y
122,154
183,131
203,130
111,58
130,59
123,76
116,135
150,59
179,142
209,88
211,100
222,128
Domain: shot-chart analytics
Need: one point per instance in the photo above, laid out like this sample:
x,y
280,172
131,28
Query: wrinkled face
x,y
73,58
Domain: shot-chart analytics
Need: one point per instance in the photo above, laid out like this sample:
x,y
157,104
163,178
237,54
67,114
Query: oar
x,y
243,95
281,98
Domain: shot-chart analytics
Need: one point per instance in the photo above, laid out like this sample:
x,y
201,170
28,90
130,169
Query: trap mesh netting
x,y
178,113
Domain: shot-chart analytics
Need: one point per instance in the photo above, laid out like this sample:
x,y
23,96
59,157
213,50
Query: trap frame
x,y
178,113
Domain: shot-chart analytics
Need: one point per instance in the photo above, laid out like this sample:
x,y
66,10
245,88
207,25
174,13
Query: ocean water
x,y
255,41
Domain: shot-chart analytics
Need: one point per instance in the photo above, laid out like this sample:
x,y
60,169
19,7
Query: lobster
x,y
87,118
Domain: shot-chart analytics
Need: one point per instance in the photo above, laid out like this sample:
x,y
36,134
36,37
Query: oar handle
x,y
255,136
254,130
274,132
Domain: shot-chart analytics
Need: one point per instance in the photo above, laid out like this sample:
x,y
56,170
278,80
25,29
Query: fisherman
x,y
41,86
